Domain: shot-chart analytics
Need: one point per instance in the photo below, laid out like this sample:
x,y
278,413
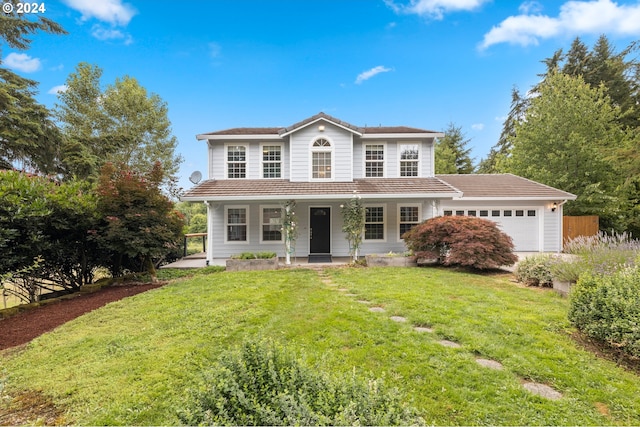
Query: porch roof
x,y
278,189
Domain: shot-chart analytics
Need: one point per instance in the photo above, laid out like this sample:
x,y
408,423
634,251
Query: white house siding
x,y
218,157
529,233
553,230
391,160
342,150
218,247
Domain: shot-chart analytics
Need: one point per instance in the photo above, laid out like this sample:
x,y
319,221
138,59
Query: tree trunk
x,y
151,269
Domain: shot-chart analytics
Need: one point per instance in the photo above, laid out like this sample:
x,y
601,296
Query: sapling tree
x,y
289,229
353,224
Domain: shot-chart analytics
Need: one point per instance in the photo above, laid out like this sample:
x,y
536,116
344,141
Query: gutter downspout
x,y
561,221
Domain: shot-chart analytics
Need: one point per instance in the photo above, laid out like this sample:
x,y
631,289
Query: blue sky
x,y
221,64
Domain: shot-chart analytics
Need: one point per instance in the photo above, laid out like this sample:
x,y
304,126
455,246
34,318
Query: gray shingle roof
x,y
283,130
497,186
256,189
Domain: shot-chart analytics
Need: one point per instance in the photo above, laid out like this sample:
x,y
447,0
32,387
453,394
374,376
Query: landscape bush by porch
x,y
248,261
254,255
607,308
461,240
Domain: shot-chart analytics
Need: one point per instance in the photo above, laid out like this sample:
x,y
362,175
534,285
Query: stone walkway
x,y
539,389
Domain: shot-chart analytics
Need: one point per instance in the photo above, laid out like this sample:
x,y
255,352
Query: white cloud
x,y
366,75
111,11
22,62
57,89
529,7
102,33
575,18
434,9
477,126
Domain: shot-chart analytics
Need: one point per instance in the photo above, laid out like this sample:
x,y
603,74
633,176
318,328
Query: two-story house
x,y
321,162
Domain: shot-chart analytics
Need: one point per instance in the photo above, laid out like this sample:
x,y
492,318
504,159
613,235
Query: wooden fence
x,y
574,226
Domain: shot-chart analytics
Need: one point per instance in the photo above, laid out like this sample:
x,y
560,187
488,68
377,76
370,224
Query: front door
x,y
320,231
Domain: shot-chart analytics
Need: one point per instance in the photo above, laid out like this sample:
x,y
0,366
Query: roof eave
x,y
519,198
344,196
403,135
208,137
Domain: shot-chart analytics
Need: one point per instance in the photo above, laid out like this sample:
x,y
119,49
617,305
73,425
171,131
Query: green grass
x,y
132,361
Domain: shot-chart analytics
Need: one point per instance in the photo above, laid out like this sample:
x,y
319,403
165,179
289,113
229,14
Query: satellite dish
x,y
195,177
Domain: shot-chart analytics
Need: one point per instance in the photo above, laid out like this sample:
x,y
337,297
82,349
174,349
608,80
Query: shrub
x,y
607,308
461,240
601,254
263,384
536,270
254,255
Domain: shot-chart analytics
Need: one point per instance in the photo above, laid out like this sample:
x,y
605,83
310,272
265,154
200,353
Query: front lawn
x,y
132,361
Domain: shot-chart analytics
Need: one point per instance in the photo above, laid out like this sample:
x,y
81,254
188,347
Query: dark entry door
x,y
320,231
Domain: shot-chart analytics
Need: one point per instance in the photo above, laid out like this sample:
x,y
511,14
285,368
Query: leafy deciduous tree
x,y
566,141
121,124
461,240
139,223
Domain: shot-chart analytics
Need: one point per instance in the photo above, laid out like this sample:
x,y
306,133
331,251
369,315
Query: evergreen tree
x,y
495,161
452,153
27,135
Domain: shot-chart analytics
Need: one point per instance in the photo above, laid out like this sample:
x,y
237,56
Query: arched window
x,y
321,158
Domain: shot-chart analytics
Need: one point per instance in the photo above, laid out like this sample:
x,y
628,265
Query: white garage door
x,y
521,224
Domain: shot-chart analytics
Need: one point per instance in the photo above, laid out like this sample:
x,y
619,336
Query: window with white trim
x,y
271,161
374,223
409,217
236,161
374,160
409,159
271,224
321,159
236,224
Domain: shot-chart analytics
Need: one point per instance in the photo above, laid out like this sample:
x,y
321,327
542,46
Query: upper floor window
x,y
409,159
236,161
374,160
321,159
271,161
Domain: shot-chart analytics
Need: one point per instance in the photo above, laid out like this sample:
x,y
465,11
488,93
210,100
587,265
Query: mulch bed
x,y
25,326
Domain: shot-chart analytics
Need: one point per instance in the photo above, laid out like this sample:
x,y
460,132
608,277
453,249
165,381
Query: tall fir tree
x,y
452,152
499,153
28,137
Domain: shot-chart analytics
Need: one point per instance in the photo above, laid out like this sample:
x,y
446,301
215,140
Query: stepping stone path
x,y
542,390
491,364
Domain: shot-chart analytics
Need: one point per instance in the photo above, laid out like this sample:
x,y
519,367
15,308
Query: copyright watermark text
x,y
23,8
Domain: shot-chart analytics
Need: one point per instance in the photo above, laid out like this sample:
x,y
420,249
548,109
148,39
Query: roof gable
x,y
278,132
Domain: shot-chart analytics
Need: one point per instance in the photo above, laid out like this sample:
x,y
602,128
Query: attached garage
x,y
521,223
529,212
